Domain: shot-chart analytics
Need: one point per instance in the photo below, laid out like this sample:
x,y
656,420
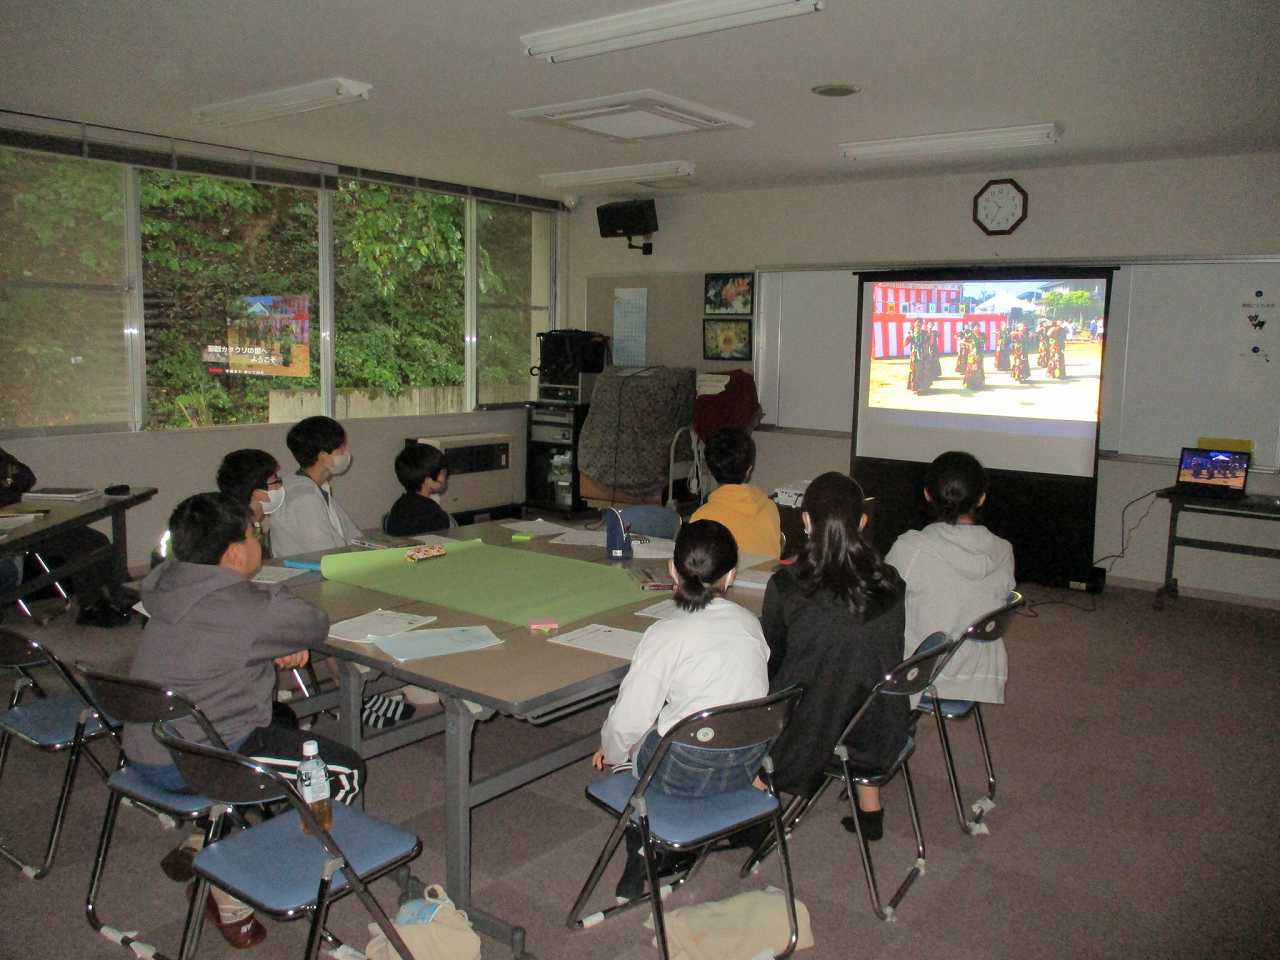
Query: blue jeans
x,y
689,771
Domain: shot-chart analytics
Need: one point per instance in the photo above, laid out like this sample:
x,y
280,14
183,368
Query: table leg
x,y
1170,586
119,543
460,725
350,701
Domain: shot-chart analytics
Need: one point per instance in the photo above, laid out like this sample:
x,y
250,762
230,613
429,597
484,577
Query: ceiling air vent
x,y
635,116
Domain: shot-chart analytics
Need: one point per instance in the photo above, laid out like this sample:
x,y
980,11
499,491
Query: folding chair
x,y
693,824
986,629
61,591
912,676
137,701
65,722
275,866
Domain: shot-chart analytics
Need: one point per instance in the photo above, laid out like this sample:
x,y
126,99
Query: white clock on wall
x,y
999,207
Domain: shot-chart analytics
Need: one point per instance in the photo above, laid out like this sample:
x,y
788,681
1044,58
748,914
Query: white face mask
x,y
341,463
275,500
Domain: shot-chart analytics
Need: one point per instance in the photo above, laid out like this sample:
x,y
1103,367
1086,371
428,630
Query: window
x,y
230,281
399,289
63,301
514,299
187,288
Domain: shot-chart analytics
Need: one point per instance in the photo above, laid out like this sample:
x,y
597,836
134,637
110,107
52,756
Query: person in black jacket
x,y
834,624
423,471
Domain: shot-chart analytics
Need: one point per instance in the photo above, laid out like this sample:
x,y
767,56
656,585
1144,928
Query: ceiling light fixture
x,y
835,89
962,141
668,21
317,95
633,173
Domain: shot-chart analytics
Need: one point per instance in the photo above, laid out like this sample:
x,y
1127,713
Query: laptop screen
x,y
1219,473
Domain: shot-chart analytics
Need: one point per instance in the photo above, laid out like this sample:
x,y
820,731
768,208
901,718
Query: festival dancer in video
x,y
1042,344
975,377
1058,351
962,346
1003,345
916,362
1019,368
933,348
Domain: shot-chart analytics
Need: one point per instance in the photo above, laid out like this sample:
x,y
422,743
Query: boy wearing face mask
x,y
253,478
311,518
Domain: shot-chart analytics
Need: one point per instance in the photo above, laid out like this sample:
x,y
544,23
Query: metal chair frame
x,y
21,602
236,781
735,726
985,629
131,700
914,675
22,654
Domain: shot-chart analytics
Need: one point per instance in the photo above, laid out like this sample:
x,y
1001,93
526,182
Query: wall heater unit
x,y
480,474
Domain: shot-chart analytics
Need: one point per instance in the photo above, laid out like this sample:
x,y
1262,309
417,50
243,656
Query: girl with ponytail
x,y
956,570
710,653
834,624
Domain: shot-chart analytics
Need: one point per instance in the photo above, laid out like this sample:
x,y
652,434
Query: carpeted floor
x,y
1136,816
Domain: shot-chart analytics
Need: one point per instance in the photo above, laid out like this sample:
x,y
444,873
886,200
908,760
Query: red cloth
x,y
736,407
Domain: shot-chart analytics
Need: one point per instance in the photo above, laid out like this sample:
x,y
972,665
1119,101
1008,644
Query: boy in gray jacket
x,y
217,639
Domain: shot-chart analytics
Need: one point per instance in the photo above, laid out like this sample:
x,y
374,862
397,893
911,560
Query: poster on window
x,y
267,336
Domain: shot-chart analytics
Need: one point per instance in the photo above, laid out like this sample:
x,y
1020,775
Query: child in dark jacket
x,y
834,625
423,471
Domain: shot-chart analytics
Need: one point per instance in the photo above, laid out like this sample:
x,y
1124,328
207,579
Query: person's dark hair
x,y
705,552
837,558
313,436
416,462
730,455
955,482
244,471
204,525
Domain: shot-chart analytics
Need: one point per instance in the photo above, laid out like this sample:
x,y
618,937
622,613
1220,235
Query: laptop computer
x,y
1212,473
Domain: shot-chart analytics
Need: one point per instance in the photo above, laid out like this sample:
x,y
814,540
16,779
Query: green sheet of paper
x,y
515,586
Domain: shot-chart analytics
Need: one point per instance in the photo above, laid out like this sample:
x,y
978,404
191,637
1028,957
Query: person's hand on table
x,y
597,759
292,660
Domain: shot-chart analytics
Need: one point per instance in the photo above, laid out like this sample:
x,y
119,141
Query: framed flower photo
x,y
726,339
728,294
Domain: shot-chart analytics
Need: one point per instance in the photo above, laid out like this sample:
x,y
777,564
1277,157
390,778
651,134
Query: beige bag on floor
x,y
742,927
448,936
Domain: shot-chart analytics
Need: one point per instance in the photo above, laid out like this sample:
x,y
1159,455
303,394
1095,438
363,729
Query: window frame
x,y
134,152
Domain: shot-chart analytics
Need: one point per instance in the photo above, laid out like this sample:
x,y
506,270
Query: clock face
x,y
999,207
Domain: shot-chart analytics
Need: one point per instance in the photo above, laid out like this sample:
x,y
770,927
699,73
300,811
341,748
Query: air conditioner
x,y
479,470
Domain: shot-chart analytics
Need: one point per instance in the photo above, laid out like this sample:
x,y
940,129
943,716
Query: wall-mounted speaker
x,y
627,218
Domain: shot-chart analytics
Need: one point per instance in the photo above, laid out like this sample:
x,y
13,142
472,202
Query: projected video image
x,y
1025,348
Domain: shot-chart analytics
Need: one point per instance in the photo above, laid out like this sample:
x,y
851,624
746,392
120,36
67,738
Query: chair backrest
x,y
131,700
993,625
648,520
228,777
19,652
913,675
731,727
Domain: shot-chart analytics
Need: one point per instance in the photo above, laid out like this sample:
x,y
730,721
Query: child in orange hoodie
x,y
751,517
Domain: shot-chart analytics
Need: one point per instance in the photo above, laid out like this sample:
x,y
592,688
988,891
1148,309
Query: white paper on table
x,y
435,540
421,644
662,610
539,528
756,578
611,641
277,574
376,624
13,521
650,548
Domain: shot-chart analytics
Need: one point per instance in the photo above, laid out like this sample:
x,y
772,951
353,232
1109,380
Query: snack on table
x,y
425,552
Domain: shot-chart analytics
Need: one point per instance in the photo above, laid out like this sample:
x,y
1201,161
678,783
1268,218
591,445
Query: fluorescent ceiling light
x,y
634,173
281,103
668,21
963,141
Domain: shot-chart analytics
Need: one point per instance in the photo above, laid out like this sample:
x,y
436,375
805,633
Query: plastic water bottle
x,y
313,785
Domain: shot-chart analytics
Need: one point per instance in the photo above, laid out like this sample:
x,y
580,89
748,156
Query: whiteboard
x,y
806,348
1193,349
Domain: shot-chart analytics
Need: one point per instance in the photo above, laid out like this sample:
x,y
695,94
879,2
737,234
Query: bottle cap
x,y
310,748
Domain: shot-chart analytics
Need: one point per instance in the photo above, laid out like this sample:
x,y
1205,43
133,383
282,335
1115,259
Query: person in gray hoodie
x,y
217,638
956,570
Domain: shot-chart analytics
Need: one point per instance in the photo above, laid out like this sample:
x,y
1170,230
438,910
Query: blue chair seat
x,y
276,867
685,821
49,723
951,709
130,783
